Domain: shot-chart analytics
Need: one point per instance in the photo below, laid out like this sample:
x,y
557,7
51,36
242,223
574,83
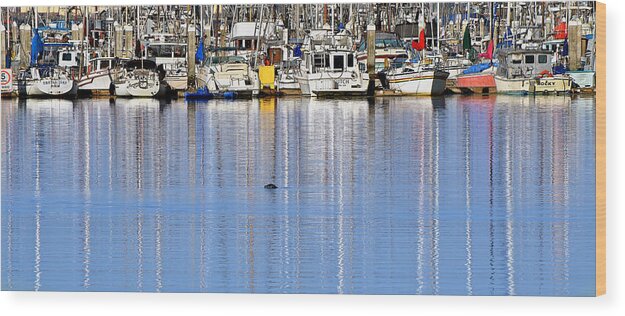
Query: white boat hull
x,y
96,82
242,85
47,87
584,79
345,83
557,84
425,83
138,88
177,82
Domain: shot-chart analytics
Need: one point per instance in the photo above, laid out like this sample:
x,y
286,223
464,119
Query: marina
x,y
316,50
435,148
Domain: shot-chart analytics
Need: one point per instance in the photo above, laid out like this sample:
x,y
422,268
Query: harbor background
x,y
165,304
328,50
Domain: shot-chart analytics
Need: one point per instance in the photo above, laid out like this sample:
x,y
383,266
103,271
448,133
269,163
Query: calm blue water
x,y
466,195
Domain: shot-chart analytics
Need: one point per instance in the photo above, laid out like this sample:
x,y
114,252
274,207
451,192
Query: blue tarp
x,y
478,68
558,70
36,48
297,51
199,54
201,94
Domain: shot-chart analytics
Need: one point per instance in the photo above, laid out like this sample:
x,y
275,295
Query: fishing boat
x,y
42,81
229,74
329,66
333,73
414,80
139,78
529,72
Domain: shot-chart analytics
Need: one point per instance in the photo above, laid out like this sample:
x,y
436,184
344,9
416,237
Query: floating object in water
x,y
229,95
271,186
200,94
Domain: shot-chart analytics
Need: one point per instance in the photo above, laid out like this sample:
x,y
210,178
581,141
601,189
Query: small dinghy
x,y
201,94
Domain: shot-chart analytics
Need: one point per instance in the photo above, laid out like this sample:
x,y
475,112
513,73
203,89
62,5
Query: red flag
x,y
561,31
420,45
489,52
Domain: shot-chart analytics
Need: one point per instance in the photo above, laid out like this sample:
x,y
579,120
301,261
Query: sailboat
x,y
139,78
479,78
44,80
415,78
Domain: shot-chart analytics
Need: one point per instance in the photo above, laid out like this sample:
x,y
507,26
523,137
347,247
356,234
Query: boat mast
x,y
438,27
258,38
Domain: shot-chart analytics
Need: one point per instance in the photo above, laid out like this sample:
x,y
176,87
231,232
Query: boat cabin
x,y
524,63
330,61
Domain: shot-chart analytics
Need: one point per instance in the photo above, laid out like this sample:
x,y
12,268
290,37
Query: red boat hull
x,y
477,83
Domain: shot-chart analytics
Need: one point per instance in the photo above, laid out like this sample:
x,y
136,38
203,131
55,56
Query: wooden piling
x,y
129,42
118,40
3,52
371,49
75,32
575,46
25,45
191,54
371,59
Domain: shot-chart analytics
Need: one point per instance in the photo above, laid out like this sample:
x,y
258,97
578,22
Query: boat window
x,y
382,43
67,57
104,64
350,60
166,51
318,61
529,59
516,58
339,61
327,60
542,59
363,46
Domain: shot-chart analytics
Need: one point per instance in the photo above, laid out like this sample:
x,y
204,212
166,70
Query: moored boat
x,y
139,78
335,73
42,82
529,72
99,76
415,80
478,78
222,75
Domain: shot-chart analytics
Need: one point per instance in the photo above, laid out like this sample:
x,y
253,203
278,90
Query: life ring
x,y
545,73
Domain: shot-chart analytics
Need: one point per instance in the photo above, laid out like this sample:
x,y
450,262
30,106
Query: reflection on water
x,y
463,195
